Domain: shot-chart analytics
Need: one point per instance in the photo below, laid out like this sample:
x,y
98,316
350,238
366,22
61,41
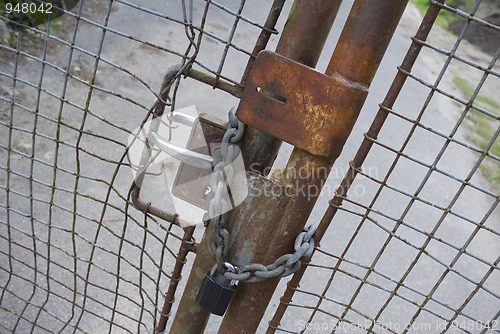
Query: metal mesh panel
x,y
75,255
413,244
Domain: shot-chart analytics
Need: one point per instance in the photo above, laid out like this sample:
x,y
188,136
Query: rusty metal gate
x,y
406,211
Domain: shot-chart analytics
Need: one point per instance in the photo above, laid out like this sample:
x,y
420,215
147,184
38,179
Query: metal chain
x,y
221,178
285,265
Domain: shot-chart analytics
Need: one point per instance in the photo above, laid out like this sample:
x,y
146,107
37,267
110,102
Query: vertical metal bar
x,y
253,221
307,18
184,249
362,44
378,122
190,317
355,165
264,36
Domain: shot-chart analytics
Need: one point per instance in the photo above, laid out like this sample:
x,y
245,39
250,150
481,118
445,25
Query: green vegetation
x,y
467,90
483,133
482,127
31,18
445,17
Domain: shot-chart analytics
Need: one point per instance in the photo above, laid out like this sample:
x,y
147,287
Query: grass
x,y
482,128
445,17
467,90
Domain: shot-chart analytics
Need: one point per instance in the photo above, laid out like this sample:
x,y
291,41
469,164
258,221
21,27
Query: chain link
x,y
285,265
221,178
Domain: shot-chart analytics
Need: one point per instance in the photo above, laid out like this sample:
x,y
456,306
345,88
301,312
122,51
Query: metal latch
x,y
299,105
191,183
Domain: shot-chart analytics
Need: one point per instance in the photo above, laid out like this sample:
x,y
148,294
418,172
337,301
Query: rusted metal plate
x,y
299,105
206,136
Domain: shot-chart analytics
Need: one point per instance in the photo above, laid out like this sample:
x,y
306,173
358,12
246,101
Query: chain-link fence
x,y
417,249
410,238
76,256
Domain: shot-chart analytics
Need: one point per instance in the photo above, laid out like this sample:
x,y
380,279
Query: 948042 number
x,y
28,7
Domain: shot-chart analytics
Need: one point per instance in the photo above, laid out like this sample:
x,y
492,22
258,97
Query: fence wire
x,y
417,252
430,214
76,257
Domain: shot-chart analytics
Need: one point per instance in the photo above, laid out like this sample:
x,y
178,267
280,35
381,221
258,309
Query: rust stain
x,y
318,112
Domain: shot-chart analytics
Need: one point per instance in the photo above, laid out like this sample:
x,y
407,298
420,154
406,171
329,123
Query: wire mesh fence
x,y
415,251
418,252
76,257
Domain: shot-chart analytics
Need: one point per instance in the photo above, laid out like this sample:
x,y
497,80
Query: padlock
x,y
192,183
215,292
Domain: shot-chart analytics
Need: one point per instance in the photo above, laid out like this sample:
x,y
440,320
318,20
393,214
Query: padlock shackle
x,y
231,267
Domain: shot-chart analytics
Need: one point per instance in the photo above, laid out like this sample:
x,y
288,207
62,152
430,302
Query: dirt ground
x,y
480,35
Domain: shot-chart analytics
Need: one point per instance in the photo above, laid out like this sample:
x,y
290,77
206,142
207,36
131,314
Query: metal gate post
x,y
364,40
307,18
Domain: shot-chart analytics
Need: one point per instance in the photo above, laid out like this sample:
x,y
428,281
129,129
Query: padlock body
x,y
215,293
